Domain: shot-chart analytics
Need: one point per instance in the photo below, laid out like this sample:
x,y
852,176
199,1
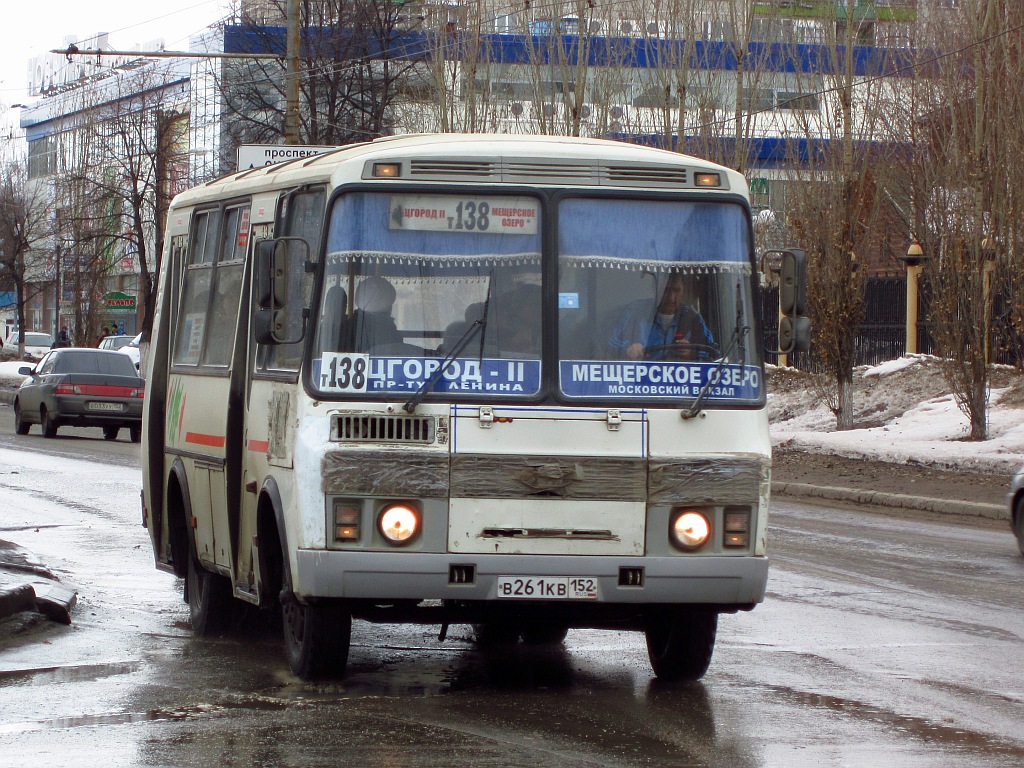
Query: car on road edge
x,y
81,387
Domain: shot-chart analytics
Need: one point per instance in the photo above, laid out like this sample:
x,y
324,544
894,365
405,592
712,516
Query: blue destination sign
x,y
344,373
582,378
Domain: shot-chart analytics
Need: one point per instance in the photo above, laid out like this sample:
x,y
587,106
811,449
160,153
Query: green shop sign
x,y
118,302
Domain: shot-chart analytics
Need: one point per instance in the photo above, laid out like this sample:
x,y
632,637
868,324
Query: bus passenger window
x,y
195,294
227,287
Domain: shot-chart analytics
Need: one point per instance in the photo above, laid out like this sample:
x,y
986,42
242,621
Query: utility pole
x,y
293,42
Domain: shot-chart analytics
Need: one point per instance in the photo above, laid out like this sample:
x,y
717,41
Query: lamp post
x,y
914,260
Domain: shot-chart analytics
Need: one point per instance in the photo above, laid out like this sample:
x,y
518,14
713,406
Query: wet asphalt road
x,y
883,642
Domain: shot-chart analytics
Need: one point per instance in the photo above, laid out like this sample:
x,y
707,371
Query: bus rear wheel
x,y
316,637
680,643
209,599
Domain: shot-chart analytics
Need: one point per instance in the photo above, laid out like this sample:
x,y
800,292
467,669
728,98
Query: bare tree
x,y
967,189
121,167
354,64
25,221
835,202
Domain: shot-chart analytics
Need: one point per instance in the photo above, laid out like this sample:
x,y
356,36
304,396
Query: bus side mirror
x,y
279,265
794,326
271,273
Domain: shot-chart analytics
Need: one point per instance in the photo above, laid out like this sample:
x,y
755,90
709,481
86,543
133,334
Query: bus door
x,y
202,399
271,405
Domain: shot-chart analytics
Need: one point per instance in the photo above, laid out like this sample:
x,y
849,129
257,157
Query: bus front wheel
x,y
316,637
680,643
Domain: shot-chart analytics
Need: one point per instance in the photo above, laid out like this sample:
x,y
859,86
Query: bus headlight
x,y
688,529
399,523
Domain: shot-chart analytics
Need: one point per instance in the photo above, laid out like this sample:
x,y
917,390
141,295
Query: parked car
x,y
1015,499
81,387
132,350
37,344
114,342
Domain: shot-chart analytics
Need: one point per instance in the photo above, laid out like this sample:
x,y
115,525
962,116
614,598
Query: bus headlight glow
x,y
399,523
689,529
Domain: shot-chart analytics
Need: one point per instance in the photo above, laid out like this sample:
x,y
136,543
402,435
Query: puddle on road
x,y
920,728
126,718
114,718
77,674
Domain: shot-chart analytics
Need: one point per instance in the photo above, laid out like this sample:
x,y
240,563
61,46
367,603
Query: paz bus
x,y
396,382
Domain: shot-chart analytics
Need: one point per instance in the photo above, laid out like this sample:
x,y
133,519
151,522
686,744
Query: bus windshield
x,y
412,279
655,299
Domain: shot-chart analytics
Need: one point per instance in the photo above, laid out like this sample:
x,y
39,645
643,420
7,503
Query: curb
x,y
899,500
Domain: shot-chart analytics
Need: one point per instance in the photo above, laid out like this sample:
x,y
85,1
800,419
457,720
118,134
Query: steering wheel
x,y
681,350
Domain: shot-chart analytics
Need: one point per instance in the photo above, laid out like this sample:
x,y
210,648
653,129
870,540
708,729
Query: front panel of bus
x,y
532,394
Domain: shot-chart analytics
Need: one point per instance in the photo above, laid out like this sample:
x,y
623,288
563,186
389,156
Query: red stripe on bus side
x,y
198,438
259,446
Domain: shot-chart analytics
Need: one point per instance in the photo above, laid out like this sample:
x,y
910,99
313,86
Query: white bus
x,y
512,382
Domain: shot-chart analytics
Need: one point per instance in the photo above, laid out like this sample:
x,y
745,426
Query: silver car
x,y
37,344
1015,500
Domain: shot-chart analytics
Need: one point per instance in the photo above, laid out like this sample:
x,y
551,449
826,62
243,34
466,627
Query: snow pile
x,y
903,411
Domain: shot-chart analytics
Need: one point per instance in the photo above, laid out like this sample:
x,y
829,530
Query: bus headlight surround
x,y
399,523
689,529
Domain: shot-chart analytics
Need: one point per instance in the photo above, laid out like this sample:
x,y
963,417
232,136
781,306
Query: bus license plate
x,y
547,588
104,406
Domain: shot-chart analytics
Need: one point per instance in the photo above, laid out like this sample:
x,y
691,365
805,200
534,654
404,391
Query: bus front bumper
x,y
385,576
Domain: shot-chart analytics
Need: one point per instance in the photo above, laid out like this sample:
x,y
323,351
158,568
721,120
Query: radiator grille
x,y
382,428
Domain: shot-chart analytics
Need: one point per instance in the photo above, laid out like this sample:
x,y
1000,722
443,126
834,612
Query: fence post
x,y
914,260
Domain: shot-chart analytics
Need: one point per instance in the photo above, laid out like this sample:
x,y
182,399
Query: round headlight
x,y
399,523
690,529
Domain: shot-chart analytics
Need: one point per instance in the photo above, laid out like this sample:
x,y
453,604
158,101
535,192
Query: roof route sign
x,y
260,155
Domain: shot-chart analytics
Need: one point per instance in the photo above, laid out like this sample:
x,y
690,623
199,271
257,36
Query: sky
x,y
33,28
918,419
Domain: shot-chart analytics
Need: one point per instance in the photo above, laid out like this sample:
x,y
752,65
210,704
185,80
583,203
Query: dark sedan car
x,y
83,388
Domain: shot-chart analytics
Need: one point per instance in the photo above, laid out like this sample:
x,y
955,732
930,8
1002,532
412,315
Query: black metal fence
x,y
882,334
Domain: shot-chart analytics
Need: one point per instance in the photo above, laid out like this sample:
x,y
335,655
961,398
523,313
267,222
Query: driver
x,y
671,330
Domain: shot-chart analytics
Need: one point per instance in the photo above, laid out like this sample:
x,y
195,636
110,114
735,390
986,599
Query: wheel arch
x,y
273,541
178,504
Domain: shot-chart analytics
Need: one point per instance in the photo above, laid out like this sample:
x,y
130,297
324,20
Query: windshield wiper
x,y
467,336
478,325
738,334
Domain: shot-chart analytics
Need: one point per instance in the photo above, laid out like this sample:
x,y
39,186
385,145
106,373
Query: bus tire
x,y
316,637
209,599
680,643
544,634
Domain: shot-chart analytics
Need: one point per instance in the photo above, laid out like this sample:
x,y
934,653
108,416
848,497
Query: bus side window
x,y
195,294
227,286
